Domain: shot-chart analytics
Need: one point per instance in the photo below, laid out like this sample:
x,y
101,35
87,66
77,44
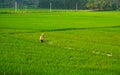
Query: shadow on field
x,y
80,28
65,29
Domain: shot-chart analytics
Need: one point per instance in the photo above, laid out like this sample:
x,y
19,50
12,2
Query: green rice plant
x,y
76,43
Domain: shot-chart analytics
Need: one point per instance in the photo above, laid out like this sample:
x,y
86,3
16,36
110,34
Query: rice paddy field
x,y
76,43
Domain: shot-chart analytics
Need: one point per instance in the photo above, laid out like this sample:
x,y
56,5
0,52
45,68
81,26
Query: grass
x,y
76,43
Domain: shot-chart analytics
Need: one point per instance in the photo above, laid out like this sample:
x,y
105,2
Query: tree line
x,y
63,4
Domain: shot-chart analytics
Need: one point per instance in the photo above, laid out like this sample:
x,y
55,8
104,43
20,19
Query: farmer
x,y
42,38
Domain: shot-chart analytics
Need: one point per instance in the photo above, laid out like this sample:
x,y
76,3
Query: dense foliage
x,y
64,4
